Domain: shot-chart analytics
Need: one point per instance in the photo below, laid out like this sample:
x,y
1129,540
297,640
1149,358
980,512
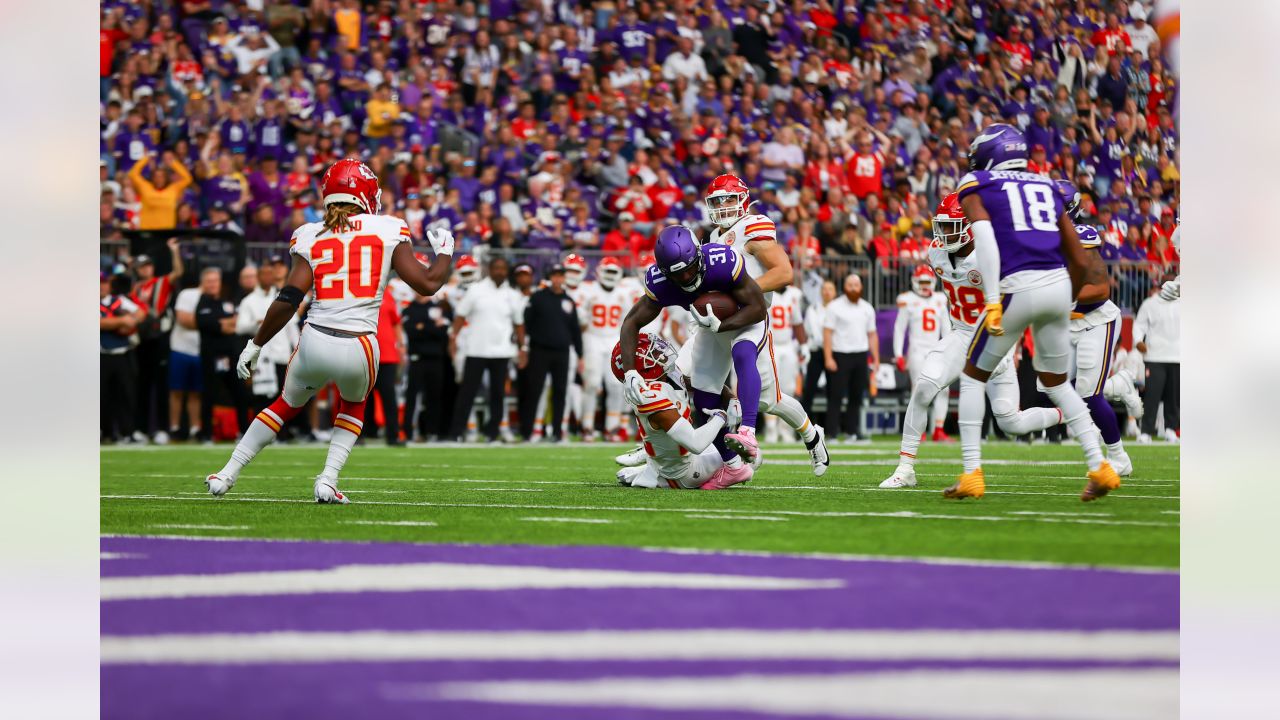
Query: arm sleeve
x,y
695,441
987,254
900,329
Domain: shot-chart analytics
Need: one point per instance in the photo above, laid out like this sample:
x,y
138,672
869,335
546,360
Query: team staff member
x,y
219,349
848,340
492,311
268,378
1157,334
118,319
186,380
154,295
426,323
389,343
814,316
551,326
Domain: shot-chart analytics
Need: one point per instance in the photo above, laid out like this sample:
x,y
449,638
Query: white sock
x,y
258,436
733,462
340,447
792,413
915,420
973,406
1115,449
1076,415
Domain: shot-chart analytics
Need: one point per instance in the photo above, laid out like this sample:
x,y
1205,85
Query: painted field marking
x,y
1056,514
177,526
394,523
502,489
589,521
119,556
1170,512
699,516
734,644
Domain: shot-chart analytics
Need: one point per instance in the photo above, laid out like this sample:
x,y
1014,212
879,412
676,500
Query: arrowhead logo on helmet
x,y
655,357
575,269
351,181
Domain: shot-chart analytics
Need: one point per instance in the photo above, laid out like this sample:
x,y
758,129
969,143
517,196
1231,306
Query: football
x,y
722,304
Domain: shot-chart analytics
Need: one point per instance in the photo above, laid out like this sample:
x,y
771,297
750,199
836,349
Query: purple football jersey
x,y
722,272
1024,210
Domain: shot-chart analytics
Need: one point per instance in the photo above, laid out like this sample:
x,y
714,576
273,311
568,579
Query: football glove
x,y
633,387
248,360
1171,290
900,363
441,241
732,415
708,321
995,314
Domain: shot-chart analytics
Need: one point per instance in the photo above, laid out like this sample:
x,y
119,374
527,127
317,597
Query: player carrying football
x,y
348,259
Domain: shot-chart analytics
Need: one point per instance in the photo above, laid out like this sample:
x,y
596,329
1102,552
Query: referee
x,y
551,330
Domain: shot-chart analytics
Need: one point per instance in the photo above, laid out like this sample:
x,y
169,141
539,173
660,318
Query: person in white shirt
x,y
268,377
1157,334
493,312
186,381
849,344
685,63
814,316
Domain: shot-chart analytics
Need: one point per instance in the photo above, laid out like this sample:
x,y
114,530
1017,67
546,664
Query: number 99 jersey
x,y
351,269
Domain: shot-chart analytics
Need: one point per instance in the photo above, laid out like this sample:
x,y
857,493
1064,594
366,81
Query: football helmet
x,y
727,200
1089,236
467,269
679,258
1070,197
950,227
609,272
351,181
998,147
655,357
575,269
922,280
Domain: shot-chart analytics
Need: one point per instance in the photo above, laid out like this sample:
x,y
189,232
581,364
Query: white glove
x,y
732,416
1171,290
805,354
708,321
441,241
248,360
632,387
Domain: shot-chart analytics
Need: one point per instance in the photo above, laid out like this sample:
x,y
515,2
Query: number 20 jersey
x,y
1024,210
351,269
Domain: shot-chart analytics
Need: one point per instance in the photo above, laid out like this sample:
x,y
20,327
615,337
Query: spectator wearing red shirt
x,y
525,126
883,246
634,201
625,238
1112,38
1039,163
663,195
865,168
913,247
390,340
823,172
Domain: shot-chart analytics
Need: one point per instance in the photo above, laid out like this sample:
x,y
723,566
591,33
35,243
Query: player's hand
x,y
633,387
805,354
1171,290
901,363
441,241
708,321
248,360
734,414
995,315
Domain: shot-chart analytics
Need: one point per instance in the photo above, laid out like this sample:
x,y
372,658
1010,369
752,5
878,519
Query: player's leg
x,y
644,475
560,383
940,367
711,364
938,408
497,374
707,472
775,401
1004,394
355,372
592,378
612,401
572,398
1095,351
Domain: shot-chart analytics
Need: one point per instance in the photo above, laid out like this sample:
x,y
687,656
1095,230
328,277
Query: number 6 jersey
x,y
351,269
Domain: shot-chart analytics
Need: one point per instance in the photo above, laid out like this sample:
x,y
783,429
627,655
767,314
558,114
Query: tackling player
x,y
600,308
677,455
919,320
348,259
1031,263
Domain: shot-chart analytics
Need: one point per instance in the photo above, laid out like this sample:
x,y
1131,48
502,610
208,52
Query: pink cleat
x,y
743,442
727,476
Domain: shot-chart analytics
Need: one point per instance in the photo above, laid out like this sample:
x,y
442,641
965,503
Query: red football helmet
x,y
467,269
646,259
950,227
609,272
727,200
655,357
351,181
922,280
575,268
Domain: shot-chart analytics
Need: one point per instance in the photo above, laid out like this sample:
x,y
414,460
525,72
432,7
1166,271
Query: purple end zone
x,y
874,595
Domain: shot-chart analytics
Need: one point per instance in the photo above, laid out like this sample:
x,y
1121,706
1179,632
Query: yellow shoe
x,y
1101,481
969,485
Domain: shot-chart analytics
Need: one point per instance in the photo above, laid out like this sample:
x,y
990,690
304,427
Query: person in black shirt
x,y
219,349
551,329
426,327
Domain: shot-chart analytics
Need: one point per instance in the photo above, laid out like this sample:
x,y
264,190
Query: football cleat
x,y
969,485
219,485
939,436
1101,481
1144,439
819,458
903,477
327,492
743,442
1171,436
631,458
727,476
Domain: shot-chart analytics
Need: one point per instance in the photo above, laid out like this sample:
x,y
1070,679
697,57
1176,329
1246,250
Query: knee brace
x,y
350,416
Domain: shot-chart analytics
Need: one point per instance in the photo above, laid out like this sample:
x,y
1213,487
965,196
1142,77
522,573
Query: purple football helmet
x,y
678,257
998,147
1088,236
1070,197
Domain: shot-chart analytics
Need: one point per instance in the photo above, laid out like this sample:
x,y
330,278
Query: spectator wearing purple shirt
x,y
266,187
268,134
131,144
466,185
235,134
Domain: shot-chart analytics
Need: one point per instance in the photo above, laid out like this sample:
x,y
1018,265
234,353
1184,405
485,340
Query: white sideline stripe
x,y
817,644
700,516
591,521
395,523
796,513
177,526
501,489
119,556
1057,514
411,577
950,694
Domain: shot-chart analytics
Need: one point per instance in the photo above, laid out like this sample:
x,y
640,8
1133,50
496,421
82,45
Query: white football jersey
x,y
351,269
632,289
749,228
920,321
659,395
600,311
785,314
962,284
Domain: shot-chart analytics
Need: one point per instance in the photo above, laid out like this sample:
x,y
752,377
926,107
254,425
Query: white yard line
x,y
393,523
1057,514
699,516
175,526
588,521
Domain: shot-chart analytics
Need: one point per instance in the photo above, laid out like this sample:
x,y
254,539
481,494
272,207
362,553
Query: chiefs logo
x,y
975,277
937,271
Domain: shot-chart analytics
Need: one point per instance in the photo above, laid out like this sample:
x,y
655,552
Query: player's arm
x,y
777,266
751,305
985,250
1078,265
645,311
423,279
1097,285
695,440
797,328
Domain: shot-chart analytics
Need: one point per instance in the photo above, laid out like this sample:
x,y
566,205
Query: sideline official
x,y
551,329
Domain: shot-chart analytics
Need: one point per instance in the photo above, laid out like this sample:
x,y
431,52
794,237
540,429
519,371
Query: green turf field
x,y
562,495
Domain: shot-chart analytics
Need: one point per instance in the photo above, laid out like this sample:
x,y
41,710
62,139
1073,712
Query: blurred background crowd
x,y
533,128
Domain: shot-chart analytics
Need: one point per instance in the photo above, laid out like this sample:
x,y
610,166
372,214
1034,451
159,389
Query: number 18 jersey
x,y
1024,210
351,269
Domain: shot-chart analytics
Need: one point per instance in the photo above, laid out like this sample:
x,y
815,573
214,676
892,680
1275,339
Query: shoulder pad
x,y
655,397
758,227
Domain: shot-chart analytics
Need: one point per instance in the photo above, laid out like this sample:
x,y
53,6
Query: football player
x,y
786,324
683,272
1030,261
677,455
600,309
754,237
467,271
951,257
348,259
919,320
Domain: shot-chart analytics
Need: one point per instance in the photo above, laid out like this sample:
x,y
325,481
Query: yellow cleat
x,y
1101,481
969,485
